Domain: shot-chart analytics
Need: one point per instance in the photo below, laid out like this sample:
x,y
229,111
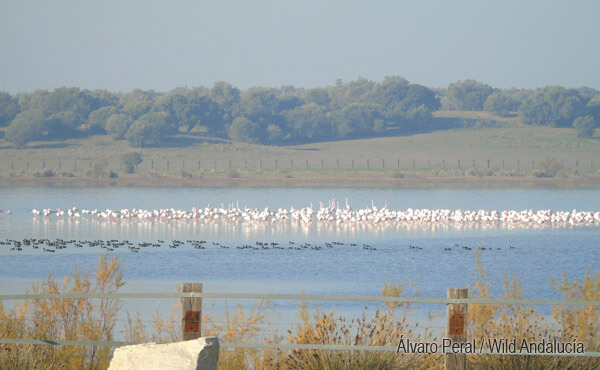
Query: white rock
x,y
199,354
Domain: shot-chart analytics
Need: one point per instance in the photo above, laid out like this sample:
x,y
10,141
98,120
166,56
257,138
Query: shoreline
x,y
336,182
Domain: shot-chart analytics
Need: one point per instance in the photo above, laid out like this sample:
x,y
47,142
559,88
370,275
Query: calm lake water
x,y
539,253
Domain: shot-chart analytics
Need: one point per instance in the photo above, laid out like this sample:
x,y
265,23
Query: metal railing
x,y
301,297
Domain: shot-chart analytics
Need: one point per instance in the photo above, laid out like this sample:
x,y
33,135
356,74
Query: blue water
x,y
539,254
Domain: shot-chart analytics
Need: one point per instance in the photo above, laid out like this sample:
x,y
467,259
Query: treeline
x,y
285,115
262,115
553,106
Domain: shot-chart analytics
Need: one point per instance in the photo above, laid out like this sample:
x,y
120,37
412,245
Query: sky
x,y
119,45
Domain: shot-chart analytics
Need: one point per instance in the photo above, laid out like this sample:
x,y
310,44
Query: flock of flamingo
x,y
331,213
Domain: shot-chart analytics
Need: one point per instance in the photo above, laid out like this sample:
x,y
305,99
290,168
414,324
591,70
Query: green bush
x,y
585,126
548,167
131,160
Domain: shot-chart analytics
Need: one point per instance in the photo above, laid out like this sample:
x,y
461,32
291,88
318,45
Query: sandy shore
x,y
352,182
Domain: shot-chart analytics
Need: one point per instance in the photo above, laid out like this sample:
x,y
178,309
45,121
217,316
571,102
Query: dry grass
x,y
64,319
523,323
94,320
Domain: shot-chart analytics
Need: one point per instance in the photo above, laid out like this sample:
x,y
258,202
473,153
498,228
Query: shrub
x,y
185,174
585,126
233,174
548,167
81,319
153,174
66,174
48,173
522,322
398,175
131,160
98,170
384,328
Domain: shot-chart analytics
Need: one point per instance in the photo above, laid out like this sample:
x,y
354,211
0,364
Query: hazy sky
x,y
120,45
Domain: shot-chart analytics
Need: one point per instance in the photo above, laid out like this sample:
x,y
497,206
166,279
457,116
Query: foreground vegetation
x,y
94,320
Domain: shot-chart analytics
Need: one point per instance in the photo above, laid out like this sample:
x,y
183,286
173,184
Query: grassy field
x,y
510,150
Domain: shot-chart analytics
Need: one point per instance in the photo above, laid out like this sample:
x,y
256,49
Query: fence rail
x,y
298,163
306,297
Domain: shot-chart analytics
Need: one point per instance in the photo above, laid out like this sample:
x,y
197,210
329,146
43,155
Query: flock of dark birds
x,y
52,246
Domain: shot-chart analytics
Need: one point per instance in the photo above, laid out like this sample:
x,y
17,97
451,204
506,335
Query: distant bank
x,y
350,182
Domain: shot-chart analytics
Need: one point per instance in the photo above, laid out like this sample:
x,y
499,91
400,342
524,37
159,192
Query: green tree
x,y
243,129
500,104
357,119
227,97
593,108
275,134
118,124
343,94
585,126
27,126
191,112
468,95
318,96
9,108
552,106
98,118
136,109
131,160
34,100
148,130
309,122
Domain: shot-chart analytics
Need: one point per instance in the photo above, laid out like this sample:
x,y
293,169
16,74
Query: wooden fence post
x,y
473,162
230,165
307,163
59,165
43,164
337,163
245,164
214,165
353,163
276,164
398,163
191,311
74,165
428,163
503,164
368,164
382,163
260,164
291,163
459,163
518,165
183,165
532,164
456,328
167,165
413,164
488,163
321,163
